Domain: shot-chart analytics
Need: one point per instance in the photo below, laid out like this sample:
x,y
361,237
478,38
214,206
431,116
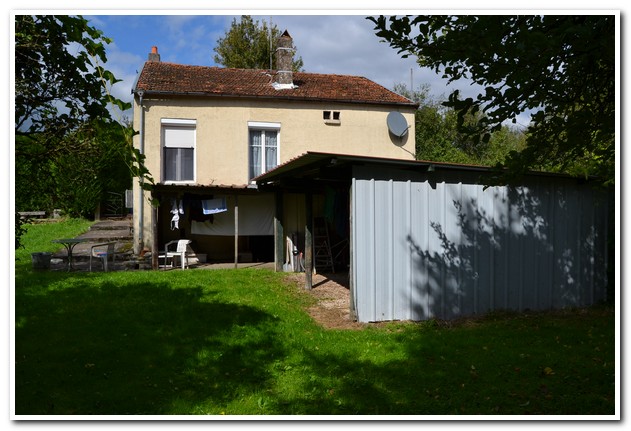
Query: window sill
x,y
333,122
176,183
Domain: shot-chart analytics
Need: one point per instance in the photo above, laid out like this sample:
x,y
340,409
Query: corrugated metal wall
x,y
437,245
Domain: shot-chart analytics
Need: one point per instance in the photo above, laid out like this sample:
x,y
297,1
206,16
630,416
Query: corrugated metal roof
x,y
306,164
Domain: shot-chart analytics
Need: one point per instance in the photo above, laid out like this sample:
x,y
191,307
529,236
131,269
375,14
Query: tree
x,y
247,46
439,139
56,88
75,181
61,90
561,69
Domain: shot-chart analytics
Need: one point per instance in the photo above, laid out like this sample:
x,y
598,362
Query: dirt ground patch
x,y
332,309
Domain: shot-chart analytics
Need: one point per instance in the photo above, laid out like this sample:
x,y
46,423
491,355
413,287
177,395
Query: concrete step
x,y
112,225
118,231
107,235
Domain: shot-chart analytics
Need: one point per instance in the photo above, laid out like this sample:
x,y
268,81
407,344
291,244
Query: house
x,y
319,170
207,132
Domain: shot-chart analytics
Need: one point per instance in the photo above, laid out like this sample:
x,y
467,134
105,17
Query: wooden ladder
x,y
322,255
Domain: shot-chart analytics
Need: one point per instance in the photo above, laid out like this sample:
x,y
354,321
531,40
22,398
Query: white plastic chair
x,y
181,252
103,252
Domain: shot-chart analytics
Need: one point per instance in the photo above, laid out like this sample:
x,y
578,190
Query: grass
x,y
39,236
238,342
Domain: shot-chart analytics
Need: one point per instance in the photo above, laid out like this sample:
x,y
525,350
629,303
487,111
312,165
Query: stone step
x,y
107,235
118,231
112,225
82,250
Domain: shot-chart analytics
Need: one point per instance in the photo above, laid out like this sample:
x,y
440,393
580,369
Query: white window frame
x,y
263,126
174,123
332,117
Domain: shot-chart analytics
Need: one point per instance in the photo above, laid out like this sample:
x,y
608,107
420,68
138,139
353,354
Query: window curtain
x,y
187,164
271,149
255,153
170,164
179,164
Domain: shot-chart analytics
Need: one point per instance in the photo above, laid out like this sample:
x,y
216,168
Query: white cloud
x,y
348,45
335,44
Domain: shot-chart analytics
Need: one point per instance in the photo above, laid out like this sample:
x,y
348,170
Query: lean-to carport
x,y
429,240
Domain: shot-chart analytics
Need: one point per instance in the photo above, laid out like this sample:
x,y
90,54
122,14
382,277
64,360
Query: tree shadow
x,y
511,248
141,348
478,370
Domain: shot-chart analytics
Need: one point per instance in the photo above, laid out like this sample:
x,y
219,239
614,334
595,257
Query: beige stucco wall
x,y
222,135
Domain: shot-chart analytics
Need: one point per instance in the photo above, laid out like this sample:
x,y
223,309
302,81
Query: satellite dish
x,y
397,124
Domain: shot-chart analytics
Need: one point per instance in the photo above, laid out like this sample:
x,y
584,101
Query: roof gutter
x,y
277,97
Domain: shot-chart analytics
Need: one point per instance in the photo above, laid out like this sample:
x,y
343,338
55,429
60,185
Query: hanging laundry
x,y
195,212
214,206
175,220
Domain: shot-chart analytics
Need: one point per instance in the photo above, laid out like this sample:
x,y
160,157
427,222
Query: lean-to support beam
x,y
236,231
154,242
308,240
279,235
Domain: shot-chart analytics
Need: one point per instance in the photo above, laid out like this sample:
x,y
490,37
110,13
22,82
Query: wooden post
x,y
279,235
155,264
236,231
308,240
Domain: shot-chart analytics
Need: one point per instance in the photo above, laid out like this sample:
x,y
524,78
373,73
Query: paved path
x,y
101,231
119,231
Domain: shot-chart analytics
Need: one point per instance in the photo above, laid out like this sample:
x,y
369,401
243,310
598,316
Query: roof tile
x,y
178,79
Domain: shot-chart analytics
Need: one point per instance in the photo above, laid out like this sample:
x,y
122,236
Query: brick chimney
x,y
284,62
153,55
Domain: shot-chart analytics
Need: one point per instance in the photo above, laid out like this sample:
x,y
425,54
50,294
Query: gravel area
x,y
332,309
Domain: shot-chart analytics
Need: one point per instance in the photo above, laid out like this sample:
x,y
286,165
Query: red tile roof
x,y
177,79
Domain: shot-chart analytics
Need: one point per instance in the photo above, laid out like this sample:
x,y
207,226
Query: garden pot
x,y
41,260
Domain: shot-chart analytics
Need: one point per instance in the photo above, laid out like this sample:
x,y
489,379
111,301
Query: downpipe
x,y
141,194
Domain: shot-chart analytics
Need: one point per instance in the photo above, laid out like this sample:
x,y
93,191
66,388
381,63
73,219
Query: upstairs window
x,y
263,147
331,117
178,150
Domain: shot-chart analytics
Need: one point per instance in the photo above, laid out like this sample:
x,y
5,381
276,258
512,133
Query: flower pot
x,y
41,260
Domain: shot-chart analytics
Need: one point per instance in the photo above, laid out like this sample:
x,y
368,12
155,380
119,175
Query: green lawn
x,y
238,342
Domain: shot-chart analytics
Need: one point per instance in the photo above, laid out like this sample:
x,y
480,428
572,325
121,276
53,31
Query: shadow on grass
x,y
111,344
135,349
530,366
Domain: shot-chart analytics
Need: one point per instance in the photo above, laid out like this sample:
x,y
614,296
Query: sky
x,y
328,41
333,43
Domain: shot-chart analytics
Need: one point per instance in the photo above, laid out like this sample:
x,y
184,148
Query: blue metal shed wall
x,y
432,245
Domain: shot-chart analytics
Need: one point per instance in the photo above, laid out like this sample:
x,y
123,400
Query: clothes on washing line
x,y
176,211
201,210
195,212
256,218
214,206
